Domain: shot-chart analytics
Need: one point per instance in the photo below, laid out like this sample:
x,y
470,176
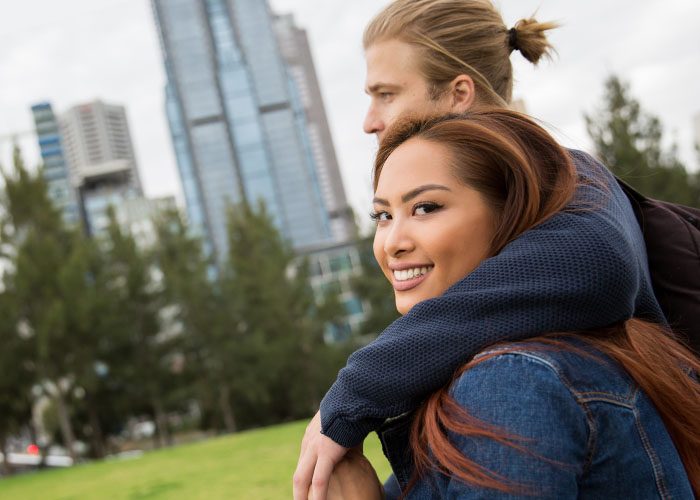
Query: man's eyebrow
x,y
379,86
413,193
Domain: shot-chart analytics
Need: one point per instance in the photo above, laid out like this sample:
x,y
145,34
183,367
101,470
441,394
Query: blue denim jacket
x,y
601,435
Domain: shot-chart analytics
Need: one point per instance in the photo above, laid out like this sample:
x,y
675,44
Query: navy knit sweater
x,y
583,268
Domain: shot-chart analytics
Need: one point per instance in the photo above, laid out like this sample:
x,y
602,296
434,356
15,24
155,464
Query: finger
x,y
321,476
312,429
303,475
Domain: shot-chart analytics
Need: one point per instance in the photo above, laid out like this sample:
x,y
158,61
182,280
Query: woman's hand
x,y
318,457
353,478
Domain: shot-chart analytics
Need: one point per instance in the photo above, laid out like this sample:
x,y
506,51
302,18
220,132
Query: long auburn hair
x,y
526,177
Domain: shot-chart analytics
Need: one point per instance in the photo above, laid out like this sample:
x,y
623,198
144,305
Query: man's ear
x,y
462,93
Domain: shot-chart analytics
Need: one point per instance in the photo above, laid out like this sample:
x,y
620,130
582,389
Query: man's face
x,y
396,86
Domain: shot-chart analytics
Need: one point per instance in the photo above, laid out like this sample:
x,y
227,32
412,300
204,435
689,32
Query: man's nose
x,y
373,123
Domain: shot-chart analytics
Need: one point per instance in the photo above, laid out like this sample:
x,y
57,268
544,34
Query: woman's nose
x,y
398,239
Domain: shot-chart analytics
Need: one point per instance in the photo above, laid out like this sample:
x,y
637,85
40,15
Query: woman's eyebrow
x,y
422,189
412,193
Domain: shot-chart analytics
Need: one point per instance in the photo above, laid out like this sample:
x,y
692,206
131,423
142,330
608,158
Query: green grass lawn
x,y
250,465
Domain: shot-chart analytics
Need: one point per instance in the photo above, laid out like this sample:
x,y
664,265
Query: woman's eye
x,y
380,216
425,208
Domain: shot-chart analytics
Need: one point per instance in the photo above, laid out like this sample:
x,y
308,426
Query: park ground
x,y
255,464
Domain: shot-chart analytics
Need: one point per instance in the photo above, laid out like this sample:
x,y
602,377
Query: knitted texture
x,y
586,267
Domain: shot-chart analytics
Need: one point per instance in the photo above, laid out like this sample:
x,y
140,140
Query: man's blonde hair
x,y
456,37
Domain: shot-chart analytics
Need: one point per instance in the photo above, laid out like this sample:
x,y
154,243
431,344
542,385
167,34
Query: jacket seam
x,y
590,420
659,478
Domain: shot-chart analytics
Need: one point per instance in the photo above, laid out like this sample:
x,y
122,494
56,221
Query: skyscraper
x,y
238,123
56,170
295,49
96,133
98,149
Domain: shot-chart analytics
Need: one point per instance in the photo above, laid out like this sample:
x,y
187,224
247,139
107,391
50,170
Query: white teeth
x,y
408,274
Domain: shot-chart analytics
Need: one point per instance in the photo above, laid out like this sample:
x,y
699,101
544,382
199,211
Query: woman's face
x,y
432,230
396,86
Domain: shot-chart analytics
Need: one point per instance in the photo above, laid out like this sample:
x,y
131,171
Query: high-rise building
x,y
238,123
294,45
99,152
56,170
95,134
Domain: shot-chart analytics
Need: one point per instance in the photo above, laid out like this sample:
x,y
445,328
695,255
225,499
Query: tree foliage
x,y
629,141
110,331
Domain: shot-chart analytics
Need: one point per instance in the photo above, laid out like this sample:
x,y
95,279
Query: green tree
x,y
629,142
39,248
17,378
276,337
149,353
191,289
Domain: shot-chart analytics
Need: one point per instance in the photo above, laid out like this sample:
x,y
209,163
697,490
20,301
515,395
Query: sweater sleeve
x,y
583,268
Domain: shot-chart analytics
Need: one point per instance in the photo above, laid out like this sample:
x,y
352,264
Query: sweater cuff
x,y
347,433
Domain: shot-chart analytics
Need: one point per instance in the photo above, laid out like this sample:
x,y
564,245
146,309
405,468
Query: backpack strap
x,y
672,237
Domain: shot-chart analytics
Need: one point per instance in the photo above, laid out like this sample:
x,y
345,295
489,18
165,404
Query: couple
x,y
490,232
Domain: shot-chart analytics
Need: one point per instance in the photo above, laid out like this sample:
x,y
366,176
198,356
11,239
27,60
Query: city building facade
x,y
239,126
332,269
101,159
294,45
56,171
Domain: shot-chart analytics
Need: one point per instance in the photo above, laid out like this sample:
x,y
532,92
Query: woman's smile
x,y
409,276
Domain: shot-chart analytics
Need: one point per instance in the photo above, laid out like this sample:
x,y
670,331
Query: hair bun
x,y
529,37
513,39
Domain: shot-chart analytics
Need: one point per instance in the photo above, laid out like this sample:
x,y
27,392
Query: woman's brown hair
x,y
456,37
514,163
526,177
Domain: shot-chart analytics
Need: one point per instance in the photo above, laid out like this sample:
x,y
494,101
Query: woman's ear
x,y
462,93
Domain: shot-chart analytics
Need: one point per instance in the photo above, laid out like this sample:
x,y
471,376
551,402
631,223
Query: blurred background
x,y
185,250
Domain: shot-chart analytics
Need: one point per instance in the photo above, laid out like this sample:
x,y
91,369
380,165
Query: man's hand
x,y
354,478
318,457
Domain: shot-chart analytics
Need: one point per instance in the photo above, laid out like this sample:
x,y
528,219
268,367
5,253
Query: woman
x,y
575,272
606,413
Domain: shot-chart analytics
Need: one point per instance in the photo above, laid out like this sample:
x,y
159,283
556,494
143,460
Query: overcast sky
x,y
73,51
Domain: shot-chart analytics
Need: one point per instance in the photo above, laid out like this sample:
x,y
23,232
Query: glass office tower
x,y
237,122
56,170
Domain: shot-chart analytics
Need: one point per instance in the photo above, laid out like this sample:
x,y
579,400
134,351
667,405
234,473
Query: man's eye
x,y
380,216
386,95
426,208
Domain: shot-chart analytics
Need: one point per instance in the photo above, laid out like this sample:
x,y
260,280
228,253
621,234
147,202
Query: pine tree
x,y
277,339
629,142
38,248
17,378
147,368
191,290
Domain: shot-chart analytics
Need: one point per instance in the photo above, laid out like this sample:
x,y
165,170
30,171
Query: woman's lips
x,y
402,286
